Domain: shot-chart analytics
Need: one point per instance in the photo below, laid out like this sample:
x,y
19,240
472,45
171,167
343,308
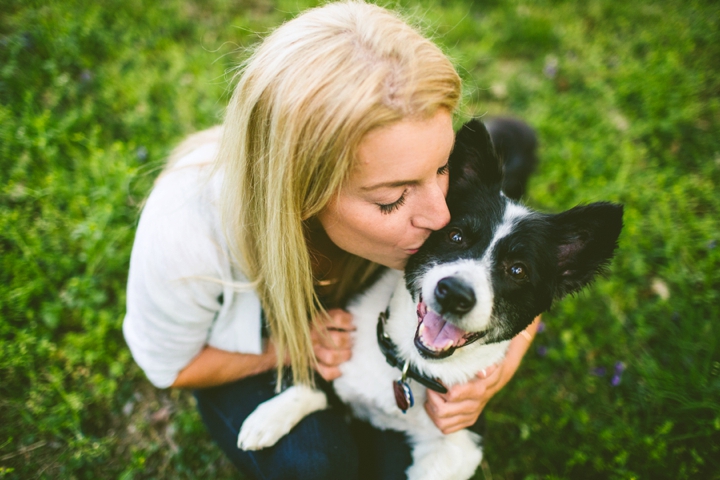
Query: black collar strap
x,y
388,348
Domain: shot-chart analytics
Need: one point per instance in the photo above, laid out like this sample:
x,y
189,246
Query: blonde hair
x,y
303,102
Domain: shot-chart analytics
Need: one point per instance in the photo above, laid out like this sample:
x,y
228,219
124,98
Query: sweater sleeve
x,y
172,299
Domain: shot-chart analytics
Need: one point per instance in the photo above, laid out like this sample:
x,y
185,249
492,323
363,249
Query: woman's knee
x,y
319,447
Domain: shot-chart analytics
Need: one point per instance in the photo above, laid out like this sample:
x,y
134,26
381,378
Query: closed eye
x,y
391,207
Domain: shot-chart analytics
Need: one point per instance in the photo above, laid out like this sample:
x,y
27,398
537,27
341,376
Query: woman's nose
x,y
433,213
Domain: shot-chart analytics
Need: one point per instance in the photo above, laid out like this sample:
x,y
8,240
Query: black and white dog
x,y
470,289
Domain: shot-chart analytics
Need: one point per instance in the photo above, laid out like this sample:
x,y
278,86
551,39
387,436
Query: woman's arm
x,y
462,405
331,341
213,367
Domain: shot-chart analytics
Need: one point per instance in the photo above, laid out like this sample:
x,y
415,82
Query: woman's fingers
x,y
451,416
461,406
454,424
338,340
332,342
329,361
332,357
441,408
332,339
339,319
488,372
333,331
328,373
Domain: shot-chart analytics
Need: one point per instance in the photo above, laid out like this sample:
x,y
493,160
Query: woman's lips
x,y
414,249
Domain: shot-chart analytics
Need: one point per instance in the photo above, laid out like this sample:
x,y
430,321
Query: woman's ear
x,y
473,159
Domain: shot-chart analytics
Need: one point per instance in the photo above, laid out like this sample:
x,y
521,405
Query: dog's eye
x,y
518,271
455,235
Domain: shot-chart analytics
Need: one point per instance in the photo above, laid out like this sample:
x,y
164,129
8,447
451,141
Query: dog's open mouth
x,y
437,338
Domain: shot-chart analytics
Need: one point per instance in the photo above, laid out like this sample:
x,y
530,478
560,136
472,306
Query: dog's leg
x,y
450,457
274,418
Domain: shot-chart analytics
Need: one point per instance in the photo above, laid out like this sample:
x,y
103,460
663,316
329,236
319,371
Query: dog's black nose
x,y
454,295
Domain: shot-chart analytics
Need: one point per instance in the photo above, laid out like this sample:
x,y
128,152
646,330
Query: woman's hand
x,y
332,342
461,406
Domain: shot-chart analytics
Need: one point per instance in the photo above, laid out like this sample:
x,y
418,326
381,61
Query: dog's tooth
x,y
421,329
448,344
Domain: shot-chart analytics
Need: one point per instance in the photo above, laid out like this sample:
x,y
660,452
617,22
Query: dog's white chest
x,y
367,378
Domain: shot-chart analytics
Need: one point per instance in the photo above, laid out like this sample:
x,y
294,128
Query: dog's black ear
x,y
587,238
516,144
473,158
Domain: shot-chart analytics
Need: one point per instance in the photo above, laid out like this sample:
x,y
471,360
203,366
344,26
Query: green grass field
x,y
624,381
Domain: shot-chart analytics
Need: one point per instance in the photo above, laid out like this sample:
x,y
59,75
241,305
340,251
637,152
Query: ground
x,y
624,380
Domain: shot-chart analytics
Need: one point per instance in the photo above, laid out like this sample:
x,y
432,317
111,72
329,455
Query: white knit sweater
x,y
180,295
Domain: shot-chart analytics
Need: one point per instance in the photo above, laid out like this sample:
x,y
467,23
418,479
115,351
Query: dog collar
x,y
389,349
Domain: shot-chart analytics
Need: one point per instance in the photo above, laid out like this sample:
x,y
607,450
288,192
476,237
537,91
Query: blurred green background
x,y
624,381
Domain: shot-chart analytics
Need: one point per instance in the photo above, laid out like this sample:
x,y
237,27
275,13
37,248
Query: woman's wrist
x,y
516,352
526,336
522,341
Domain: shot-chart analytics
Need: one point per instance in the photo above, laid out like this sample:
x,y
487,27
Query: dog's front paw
x,y
263,428
273,419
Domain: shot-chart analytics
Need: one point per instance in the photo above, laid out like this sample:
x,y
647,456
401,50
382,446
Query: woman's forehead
x,y
402,152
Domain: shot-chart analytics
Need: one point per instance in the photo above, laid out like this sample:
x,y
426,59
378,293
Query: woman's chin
x,y
398,263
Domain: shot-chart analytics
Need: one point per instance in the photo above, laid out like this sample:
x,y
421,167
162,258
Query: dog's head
x,y
497,264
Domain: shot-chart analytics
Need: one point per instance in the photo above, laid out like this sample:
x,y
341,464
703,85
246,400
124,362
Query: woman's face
x,y
395,195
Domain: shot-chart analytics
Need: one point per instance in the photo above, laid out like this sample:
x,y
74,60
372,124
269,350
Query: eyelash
x,y
391,207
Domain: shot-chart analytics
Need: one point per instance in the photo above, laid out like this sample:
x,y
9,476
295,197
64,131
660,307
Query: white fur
x,y
474,273
366,383
463,365
513,213
366,387
453,456
273,419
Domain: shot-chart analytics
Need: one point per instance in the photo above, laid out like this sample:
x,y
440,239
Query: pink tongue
x,y
437,331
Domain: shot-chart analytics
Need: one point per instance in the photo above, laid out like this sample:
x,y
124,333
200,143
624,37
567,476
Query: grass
x,y
624,381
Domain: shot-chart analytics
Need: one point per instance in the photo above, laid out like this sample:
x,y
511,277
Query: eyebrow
x,y
399,183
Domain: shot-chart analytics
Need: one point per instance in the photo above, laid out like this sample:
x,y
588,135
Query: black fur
x,y
515,144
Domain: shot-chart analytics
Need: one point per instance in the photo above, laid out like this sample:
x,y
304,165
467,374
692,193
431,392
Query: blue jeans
x,y
322,446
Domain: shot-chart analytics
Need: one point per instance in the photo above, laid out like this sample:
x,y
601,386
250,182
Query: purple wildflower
x,y
542,350
599,371
551,67
619,369
86,76
541,327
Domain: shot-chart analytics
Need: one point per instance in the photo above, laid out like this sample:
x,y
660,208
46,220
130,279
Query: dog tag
x,y
403,395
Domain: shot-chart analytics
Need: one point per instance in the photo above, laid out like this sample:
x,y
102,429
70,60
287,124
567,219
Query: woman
x,y
331,164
